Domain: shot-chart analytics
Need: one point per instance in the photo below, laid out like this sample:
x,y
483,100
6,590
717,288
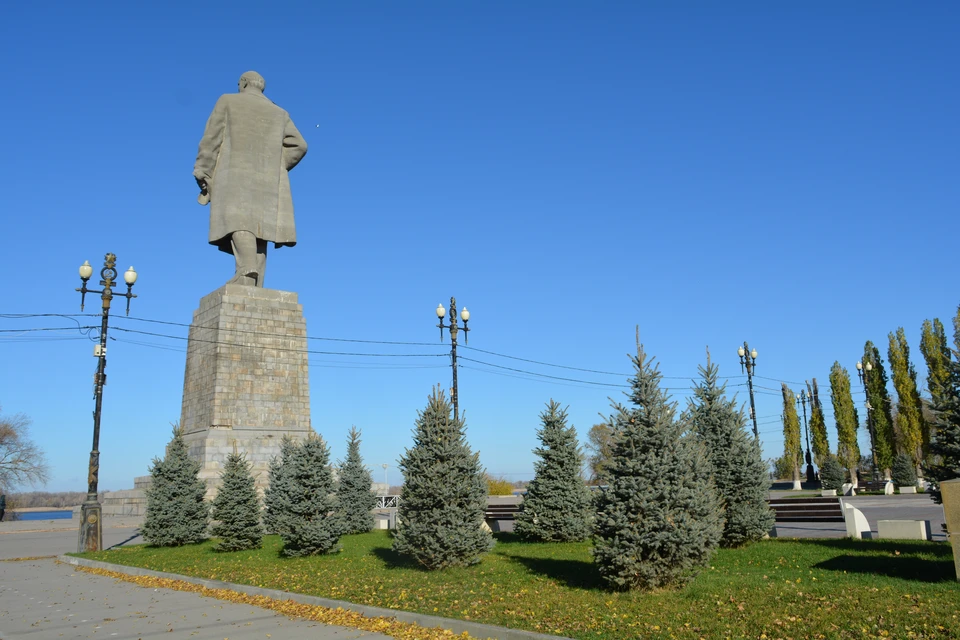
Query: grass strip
x,y
812,588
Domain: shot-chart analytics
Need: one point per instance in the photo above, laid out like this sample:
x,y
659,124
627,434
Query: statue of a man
x,y
247,149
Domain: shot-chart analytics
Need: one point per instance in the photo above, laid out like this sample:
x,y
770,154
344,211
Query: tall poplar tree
x,y
911,431
792,449
885,438
557,505
818,426
845,414
956,334
936,353
660,520
945,445
739,471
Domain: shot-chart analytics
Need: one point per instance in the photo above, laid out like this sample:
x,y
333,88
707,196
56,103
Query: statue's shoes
x,y
248,280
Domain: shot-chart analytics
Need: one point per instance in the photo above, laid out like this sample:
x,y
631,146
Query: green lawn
x,y
773,589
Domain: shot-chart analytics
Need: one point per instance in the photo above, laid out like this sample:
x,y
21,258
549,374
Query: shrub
x,y
832,474
355,500
557,505
277,498
10,509
904,473
237,508
739,471
444,494
176,511
659,521
783,468
498,486
312,525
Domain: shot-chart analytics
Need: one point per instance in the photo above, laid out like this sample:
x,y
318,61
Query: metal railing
x,y
387,502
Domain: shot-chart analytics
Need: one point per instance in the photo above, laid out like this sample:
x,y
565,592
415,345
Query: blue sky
x,y
779,173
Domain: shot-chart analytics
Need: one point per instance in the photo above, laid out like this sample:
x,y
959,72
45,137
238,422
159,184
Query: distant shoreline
x,y
30,509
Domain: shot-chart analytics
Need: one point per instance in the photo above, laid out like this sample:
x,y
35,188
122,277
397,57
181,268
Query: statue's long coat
x,y
247,149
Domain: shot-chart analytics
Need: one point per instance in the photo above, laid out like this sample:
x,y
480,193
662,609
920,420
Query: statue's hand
x,y
204,196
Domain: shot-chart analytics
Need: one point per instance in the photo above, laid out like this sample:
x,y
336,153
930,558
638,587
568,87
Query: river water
x,y
45,515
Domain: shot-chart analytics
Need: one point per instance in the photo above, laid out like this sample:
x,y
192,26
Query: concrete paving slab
x,y
47,599
28,542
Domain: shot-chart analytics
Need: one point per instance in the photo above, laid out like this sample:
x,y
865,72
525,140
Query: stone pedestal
x,y
950,492
246,382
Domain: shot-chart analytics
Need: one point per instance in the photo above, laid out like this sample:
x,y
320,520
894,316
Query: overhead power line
x,y
550,377
46,329
758,389
563,366
266,333
278,348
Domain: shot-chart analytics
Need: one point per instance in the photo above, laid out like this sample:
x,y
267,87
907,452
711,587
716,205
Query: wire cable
x,y
265,333
278,348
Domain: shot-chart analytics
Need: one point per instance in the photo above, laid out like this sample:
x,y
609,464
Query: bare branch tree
x,y
21,461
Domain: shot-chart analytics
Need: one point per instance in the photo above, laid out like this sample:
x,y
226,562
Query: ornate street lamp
x,y
465,316
863,371
802,401
748,360
91,532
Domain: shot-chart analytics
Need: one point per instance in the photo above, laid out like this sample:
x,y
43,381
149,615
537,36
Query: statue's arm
x,y
294,146
210,144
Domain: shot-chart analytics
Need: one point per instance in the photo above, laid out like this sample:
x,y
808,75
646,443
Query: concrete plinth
x,y
91,526
904,529
246,382
950,491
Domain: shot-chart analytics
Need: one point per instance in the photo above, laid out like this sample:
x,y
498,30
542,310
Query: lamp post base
x,y
91,527
811,476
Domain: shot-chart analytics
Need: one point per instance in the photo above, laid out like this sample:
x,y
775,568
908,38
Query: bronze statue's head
x,y
252,79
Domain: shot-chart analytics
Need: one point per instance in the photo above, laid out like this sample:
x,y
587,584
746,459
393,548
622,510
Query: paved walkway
x,y
43,598
30,538
47,599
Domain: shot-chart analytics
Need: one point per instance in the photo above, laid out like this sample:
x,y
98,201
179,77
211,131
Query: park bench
x,y
872,485
824,509
501,513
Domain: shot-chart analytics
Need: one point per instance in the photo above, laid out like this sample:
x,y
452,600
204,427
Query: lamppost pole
x,y
386,485
91,527
802,400
748,360
465,316
863,371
